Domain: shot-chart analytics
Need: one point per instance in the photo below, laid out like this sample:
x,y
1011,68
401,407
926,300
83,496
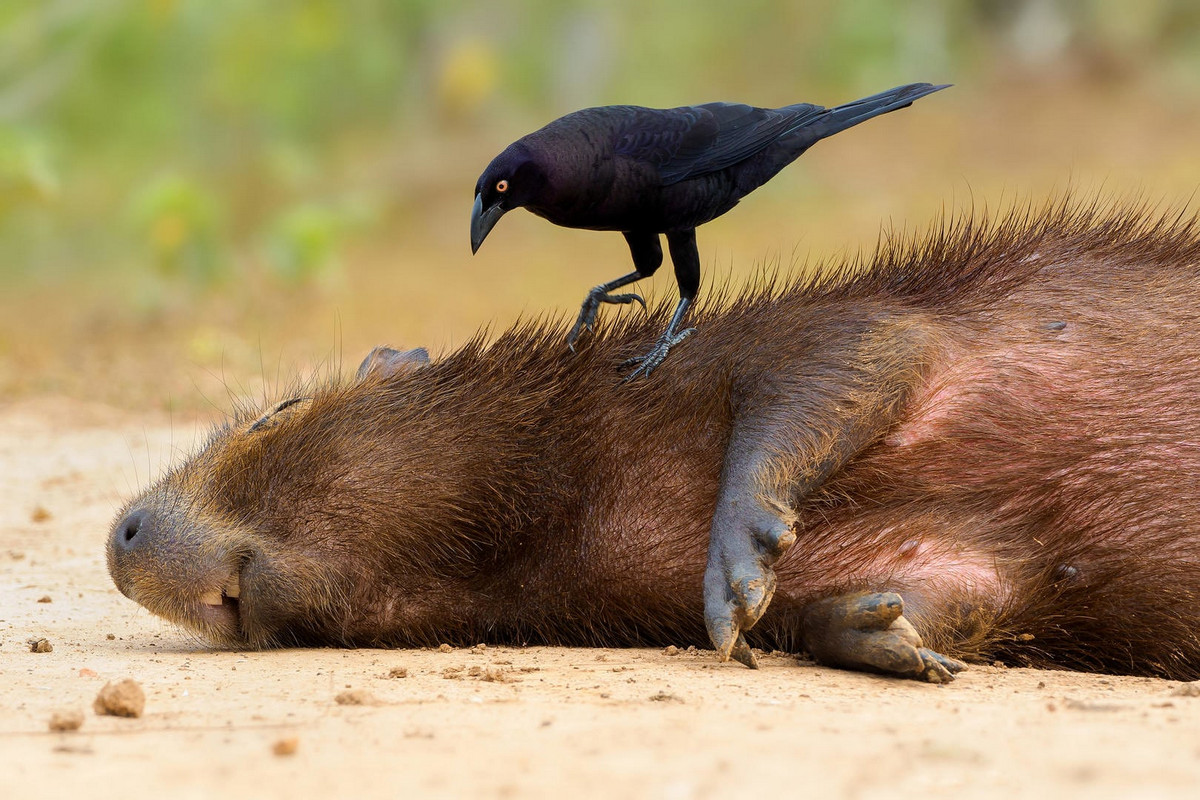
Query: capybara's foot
x,y
867,631
747,538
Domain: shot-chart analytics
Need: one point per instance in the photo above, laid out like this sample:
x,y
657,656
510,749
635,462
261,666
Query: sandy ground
x,y
501,721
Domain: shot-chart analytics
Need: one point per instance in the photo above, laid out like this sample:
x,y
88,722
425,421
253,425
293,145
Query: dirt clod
x,y
122,699
444,648
670,650
45,599
665,697
398,672
39,514
41,645
1188,690
66,720
286,746
355,697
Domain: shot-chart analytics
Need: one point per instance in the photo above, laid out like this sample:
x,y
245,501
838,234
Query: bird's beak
x,y
482,222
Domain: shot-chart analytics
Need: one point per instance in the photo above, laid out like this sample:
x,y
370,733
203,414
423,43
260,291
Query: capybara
x,y
983,443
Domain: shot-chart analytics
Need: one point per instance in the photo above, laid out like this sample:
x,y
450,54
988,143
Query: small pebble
x,y
45,599
286,747
444,648
398,672
39,514
122,699
110,636
68,720
40,646
355,697
670,650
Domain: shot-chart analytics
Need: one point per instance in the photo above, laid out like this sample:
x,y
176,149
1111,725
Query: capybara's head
x,y
323,520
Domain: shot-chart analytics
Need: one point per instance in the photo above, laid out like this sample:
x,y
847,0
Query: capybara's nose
x,y
134,530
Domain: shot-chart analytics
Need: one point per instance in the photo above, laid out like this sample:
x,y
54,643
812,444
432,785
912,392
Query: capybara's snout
x,y
129,542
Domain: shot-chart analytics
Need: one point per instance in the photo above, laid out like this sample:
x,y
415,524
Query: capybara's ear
x,y
385,362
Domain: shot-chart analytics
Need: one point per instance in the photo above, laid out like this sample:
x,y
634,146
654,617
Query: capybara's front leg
x,y
867,631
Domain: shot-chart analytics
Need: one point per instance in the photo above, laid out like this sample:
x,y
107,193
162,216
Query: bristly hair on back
x,y
976,256
969,258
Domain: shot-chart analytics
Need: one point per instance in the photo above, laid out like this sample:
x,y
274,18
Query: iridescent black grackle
x,y
646,171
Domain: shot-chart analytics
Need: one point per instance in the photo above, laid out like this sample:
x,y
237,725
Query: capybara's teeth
x,y
233,586
212,598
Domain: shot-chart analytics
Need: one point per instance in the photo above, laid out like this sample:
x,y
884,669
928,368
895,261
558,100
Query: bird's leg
x,y
647,257
598,295
646,364
686,259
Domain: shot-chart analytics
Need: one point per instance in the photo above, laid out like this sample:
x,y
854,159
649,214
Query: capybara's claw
x,y
868,631
742,653
937,667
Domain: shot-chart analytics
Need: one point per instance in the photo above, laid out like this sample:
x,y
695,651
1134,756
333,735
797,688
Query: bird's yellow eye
x,y
502,187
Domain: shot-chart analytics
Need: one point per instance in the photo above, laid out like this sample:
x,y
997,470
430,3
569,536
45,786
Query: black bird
x,y
649,171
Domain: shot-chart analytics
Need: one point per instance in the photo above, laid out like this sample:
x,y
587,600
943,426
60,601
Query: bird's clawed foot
x,y
587,312
646,364
867,631
748,536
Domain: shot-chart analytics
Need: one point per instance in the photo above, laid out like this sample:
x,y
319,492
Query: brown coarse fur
x,y
996,420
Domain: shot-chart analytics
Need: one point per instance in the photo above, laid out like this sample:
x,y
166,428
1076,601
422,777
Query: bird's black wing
x,y
694,140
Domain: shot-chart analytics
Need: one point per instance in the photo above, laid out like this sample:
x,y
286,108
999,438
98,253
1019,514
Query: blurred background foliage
x,y
201,187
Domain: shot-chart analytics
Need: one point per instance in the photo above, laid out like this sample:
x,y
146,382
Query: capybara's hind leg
x,y
867,631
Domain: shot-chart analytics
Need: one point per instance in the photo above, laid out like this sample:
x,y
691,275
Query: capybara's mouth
x,y
219,608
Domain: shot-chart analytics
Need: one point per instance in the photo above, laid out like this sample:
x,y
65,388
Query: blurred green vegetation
x,y
186,135
171,168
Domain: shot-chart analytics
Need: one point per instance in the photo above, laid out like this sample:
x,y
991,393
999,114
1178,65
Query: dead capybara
x,y
994,429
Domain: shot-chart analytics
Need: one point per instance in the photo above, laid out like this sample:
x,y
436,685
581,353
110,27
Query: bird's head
x,y
514,179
